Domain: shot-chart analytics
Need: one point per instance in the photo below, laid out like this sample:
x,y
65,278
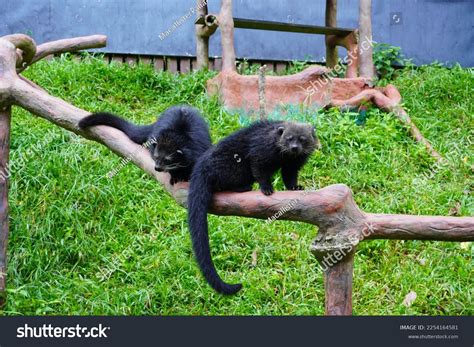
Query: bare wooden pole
x,y
366,67
338,287
203,33
226,24
331,21
4,173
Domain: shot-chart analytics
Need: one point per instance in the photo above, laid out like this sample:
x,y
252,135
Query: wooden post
x,y
338,287
331,21
261,91
366,67
226,23
4,173
202,40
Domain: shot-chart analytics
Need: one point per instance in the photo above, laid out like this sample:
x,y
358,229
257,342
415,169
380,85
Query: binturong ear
x,y
281,130
313,131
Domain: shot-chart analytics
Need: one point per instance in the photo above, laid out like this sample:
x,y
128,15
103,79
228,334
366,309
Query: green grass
x,y
84,244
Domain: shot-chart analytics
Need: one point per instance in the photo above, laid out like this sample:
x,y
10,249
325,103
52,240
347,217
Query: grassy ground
x,y
83,244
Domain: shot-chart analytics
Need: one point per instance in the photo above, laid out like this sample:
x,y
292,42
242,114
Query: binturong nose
x,y
158,168
294,148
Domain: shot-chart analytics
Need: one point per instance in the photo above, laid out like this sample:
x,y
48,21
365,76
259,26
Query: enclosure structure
x,y
341,224
315,86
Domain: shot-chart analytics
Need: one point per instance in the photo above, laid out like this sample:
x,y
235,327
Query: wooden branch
x,y
403,227
68,45
226,23
26,45
389,100
366,66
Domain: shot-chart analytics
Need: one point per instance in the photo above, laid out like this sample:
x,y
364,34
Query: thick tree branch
x,y
68,45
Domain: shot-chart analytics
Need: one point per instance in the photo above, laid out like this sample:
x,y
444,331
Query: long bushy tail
x,y
199,199
137,133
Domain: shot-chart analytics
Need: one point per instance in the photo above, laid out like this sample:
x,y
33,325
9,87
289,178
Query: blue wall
x,y
427,30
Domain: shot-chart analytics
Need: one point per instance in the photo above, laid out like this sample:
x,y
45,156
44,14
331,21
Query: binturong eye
x,y
180,152
302,138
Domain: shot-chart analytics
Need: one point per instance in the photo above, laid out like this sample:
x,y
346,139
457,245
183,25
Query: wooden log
x,y
226,24
366,65
331,21
5,116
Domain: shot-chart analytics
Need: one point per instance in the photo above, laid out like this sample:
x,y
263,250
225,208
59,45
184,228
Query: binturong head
x,y
296,139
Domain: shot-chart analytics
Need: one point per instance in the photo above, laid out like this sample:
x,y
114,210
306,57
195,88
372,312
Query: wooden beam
x,y
254,24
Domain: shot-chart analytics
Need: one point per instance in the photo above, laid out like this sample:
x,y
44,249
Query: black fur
x,y
176,140
252,154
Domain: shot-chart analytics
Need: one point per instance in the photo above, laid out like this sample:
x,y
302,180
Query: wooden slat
x,y
286,27
131,60
158,63
194,64
185,65
172,64
118,59
106,58
280,67
144,60
218,64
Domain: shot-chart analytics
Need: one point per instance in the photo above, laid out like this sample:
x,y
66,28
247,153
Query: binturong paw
x,y
297,187
267,190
